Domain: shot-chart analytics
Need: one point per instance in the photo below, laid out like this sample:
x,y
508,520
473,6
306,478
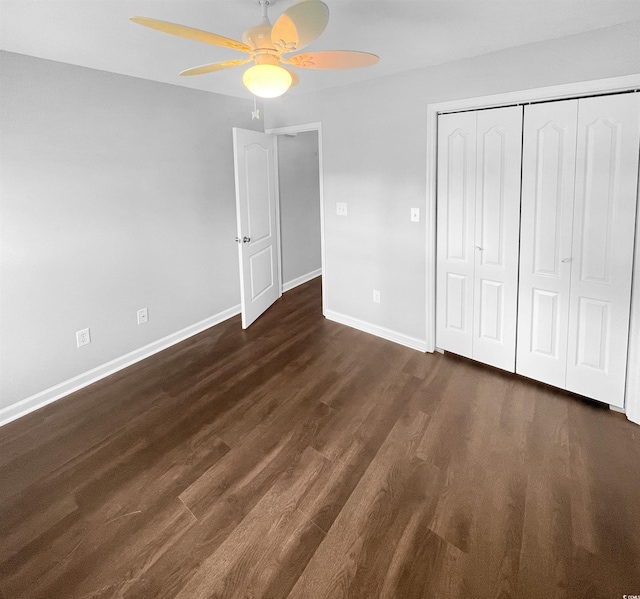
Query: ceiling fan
x,y
268,44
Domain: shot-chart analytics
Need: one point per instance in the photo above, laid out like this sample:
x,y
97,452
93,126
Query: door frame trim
x,y
529,96
316,126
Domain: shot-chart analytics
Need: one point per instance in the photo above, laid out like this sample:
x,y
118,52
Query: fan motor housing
x,y
259,37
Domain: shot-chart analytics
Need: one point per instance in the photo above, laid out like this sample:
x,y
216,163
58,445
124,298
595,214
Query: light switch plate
x,y
143,315
341,208
415,215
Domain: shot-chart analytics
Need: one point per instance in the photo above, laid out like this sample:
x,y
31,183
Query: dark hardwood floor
x,y
303,459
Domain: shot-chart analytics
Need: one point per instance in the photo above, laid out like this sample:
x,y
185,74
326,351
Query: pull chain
x,y
255,113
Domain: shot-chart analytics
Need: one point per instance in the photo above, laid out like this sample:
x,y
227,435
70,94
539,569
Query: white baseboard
x,y
30,404
378,331
300,280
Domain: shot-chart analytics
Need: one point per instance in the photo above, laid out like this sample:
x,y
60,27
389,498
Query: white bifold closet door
x,y
580,169
456,208
603,244
478,214
548,184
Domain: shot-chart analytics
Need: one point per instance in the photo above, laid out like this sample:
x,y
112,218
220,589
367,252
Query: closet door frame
x,y
557,92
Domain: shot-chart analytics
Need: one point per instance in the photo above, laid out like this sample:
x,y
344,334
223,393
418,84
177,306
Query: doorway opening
x,y
280,215
300,214
301,204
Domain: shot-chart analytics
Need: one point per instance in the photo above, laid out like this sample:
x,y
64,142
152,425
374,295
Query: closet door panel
x,y
548,175
603,242
499,137
455,218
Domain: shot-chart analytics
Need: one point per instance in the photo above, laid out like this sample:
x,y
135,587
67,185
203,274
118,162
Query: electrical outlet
x,y
341,208
415,215
376,296
143,315
83,337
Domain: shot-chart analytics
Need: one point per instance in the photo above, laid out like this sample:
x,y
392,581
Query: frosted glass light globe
x,y
267,80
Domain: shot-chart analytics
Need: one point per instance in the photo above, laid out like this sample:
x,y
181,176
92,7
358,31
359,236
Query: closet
x,y
561,299
478,215
579,190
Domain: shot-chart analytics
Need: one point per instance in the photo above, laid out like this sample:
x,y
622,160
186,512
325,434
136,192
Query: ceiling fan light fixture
x,y
267,80
267,45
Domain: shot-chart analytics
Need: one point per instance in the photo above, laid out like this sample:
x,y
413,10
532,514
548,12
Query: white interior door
x,y
603,242
256,206
497,218
548,181
455,226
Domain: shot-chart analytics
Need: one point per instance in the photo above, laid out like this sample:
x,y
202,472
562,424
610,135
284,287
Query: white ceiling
x,y
406,34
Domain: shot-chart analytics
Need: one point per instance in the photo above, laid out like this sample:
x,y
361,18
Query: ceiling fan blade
x,y
333,59
299,25
191,33
215,66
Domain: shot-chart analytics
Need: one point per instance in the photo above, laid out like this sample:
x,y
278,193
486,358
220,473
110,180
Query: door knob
x,y
567,260
479,248
246,239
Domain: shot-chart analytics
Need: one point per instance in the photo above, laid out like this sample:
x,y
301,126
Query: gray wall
x,y
116,193
374,158
299,183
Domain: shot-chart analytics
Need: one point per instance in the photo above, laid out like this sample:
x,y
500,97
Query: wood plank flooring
x,y
302,459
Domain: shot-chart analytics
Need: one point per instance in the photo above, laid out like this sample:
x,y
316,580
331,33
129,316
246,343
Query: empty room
x,y
306,299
